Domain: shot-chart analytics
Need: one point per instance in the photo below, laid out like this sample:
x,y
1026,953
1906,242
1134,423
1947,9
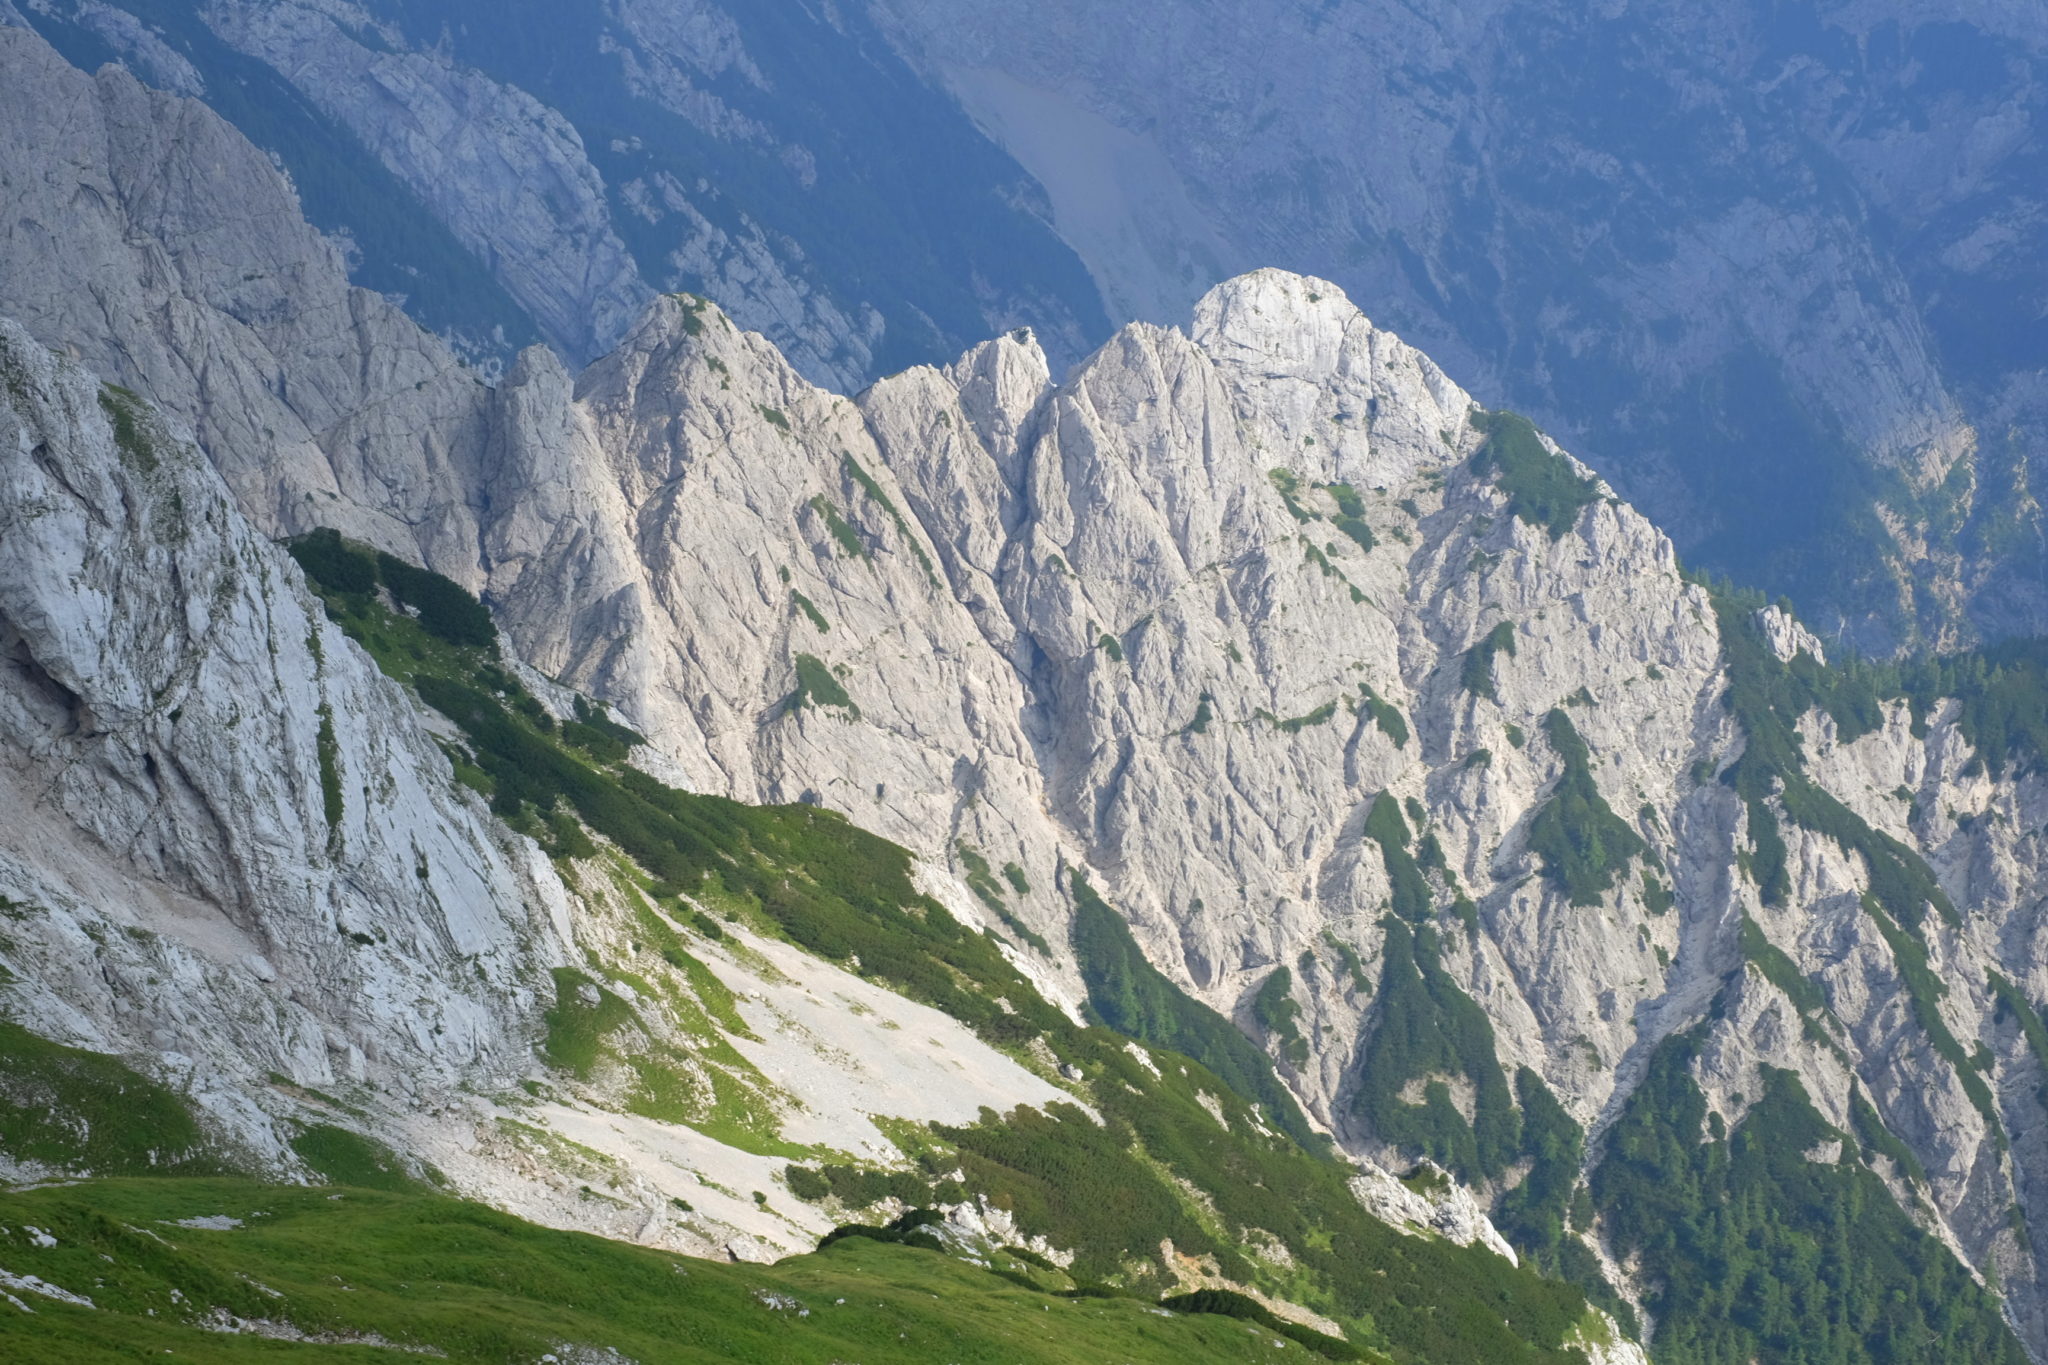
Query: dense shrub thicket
x,y
1230,1304
1759,1248
1541,487
1582,843
1385,826
444,608
907,1230
1278,1013
1428,1030
1133,997
1475,674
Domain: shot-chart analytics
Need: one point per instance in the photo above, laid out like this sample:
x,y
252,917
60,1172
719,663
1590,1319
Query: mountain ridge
x,y
1249,628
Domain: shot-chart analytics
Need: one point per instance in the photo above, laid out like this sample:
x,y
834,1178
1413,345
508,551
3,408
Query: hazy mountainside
x,y
1778,275
539,172
1249,667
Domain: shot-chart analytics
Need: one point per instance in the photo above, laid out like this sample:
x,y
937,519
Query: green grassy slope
x,y
416,1269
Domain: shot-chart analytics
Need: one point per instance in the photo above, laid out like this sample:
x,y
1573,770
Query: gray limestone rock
x,y
1177,623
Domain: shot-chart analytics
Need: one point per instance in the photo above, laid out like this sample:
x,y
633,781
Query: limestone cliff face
x,y
1232,621
506,173
230,843
152,243
1774,278
237,855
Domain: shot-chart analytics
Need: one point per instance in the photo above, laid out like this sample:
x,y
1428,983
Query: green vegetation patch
x,y
1350,518
1288,486
1385,827
1541,488
1428,1030
861,1187
347,1158
1875,1139
874,491
1279,1014
692,308
2002,693
1780,970
416,1270
817,685
810,611
1541,1215
1227,1303
1582,843
981,878
1385,715
712,1089
842,532
1133,997
582,1020
443,608
1754,1251
1412,1299
1556,1144
982,882
126,415
1475,674
82,1112
598,735
328,750
1294,725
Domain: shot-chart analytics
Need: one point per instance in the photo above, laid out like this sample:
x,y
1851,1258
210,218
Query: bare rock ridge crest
x,y
1245,624
1697,243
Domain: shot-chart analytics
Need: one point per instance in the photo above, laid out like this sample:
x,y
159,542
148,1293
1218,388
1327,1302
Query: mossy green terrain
x,y
66,1109
1541,488
352,1273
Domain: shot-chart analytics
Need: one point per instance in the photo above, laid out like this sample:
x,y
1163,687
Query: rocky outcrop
x,y
231,844
1182,623
1428,1199
153,244
506,173
238,855
1818,341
